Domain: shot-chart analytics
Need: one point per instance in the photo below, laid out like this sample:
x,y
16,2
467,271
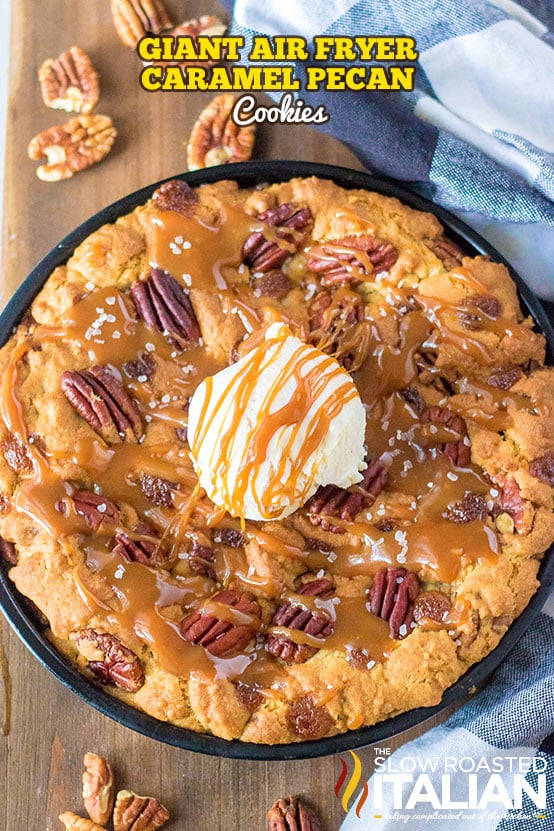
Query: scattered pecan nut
x,y
215,139
16,455
135,18
201,560
412,395
446,250
429,375
334,326
332,501
138,813
164,305
458,452
8,552
158,489
208,26
176,196
473,506
140,546
291,223
73,822
295,617
98,788
142,369
431,605
543,468
72,147
292,814
109,660
229,536
505,377
307,719
101,400
350,260
510,504
69,82
391,597
221,637
479,305
95,509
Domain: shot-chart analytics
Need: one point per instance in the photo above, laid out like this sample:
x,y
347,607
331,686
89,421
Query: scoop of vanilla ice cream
x,y
267,431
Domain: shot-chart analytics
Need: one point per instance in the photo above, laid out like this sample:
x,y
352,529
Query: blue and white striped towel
x,y
477,133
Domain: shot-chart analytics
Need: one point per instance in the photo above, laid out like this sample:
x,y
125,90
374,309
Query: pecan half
x,y
73,822
207,26
308,719
158,489
95,509
101,400
72,147
295,617
292,814
8,552
446,250
414,398
473,506
350,260
334,327
292,224
332,501
510,503
272,284
229,536
135,18
201,559
216,139
15,454
391,598
140,546
98,788
479,305
69,82
431,605
457,451
142,369
220,637
505,377
429,375
164,305
109,660
138,813
543,468
177,196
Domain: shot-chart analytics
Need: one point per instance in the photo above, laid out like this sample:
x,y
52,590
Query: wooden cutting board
x,y
47,729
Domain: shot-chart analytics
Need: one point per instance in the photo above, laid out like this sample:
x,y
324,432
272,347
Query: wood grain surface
x,y
46,728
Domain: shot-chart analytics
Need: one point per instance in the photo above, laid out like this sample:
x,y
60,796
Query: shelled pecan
x,y
73,822
101,400
272,283
458,451
473,506
164,305
16,455
429,375
201,559
293,616
511,503
69,82
446,250
8,552
95,509
177,196
543,468
505,377
229,536
98,788
72,147
307,719
138,813
158,489
140,546
292,814
110,660
335,320
431,605
221,637
135,18
479,306
291,223
206,26
331,501
216,139
391,596
351,259
142,369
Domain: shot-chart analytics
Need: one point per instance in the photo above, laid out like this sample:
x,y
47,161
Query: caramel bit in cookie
x,y
109,660
158,489
391,596
473,506
431,605
272,284
351,260
291,223
98,788
102,401
331,501
164,305
177,196
543,468
135,18
8,552
221,637
229,536
15,454
73,822
138,813
292,814
142,369
307,719
216,139
294,616
69,82
249,697
505,377
69,148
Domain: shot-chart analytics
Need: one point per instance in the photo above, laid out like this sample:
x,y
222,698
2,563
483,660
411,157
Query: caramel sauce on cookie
x,y
422,482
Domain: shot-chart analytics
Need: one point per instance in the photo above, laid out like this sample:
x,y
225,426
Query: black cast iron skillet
x,y
249,175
